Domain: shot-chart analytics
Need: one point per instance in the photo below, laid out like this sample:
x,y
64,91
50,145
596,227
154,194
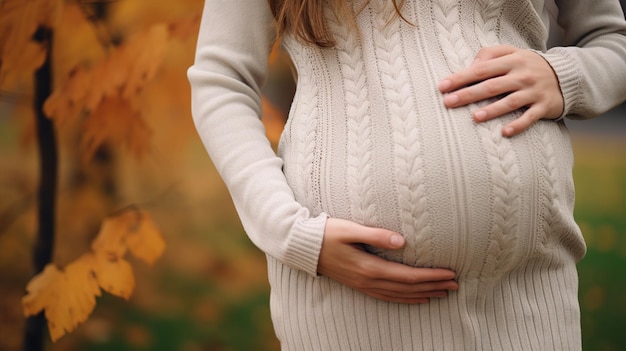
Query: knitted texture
x,y
368,139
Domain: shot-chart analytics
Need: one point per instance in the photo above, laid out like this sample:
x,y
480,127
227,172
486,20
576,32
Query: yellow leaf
x,y
144,52
68,297
22,62
122,74
20,55
103,75
112,104
110,242
65,104
38,290
78,41
132,229
115,275
117,121
77,297
145,240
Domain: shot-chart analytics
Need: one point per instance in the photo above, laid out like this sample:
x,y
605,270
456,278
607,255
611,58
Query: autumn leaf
x,y
144,239
143,55
110,241
121,74
114,275
107,93
69,296
115,120
19,20
45,285
134,230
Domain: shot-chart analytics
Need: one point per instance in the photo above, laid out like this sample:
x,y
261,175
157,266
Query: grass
x,y
600,177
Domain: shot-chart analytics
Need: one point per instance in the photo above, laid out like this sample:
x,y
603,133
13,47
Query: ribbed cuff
x,y
565,68
303,249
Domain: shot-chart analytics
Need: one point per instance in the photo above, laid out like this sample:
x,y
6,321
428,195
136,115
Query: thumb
x,y
377,237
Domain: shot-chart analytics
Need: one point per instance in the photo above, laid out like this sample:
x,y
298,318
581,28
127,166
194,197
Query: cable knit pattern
x,y
369,140
447,20
305,162
359,167
311,146
501,156
487,15
549,200
413,204
506,190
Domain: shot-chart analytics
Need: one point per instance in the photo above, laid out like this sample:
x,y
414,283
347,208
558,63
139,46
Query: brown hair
x,y
306,18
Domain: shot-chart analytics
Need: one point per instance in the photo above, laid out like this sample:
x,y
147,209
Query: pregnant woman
x,y
422,195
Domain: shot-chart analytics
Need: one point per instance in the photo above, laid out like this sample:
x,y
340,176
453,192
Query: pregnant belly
x,y
463,196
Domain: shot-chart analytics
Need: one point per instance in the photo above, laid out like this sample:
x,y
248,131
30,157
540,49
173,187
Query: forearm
x,y
591,62
230,67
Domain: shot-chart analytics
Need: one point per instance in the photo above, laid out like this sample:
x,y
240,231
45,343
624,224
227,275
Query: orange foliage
x,y
103,96
109,93
117,121
103,89
68,297
19,21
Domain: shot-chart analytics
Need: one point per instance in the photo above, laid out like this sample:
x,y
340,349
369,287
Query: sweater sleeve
x,y
230,67
591,64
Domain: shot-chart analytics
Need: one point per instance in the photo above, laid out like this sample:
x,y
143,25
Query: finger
x,y
491,52
528,118
411,289
507,104
378,268
490,63
477,72
487,89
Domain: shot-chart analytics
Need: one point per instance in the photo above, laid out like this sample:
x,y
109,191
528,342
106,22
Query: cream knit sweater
x,y
368,139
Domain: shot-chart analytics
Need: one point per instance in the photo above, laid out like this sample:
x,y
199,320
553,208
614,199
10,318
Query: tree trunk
x,y
34,339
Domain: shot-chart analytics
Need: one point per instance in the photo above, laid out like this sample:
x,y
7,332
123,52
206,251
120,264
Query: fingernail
x,y
451,99
508,131
445,85
480,115
396,240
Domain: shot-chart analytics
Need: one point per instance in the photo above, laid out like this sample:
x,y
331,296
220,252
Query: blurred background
x,y
209,290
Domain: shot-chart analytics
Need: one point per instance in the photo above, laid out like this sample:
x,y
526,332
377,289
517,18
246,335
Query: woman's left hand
x,y
522,77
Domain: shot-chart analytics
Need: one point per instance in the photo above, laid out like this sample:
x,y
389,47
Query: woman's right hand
x,y
344,259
